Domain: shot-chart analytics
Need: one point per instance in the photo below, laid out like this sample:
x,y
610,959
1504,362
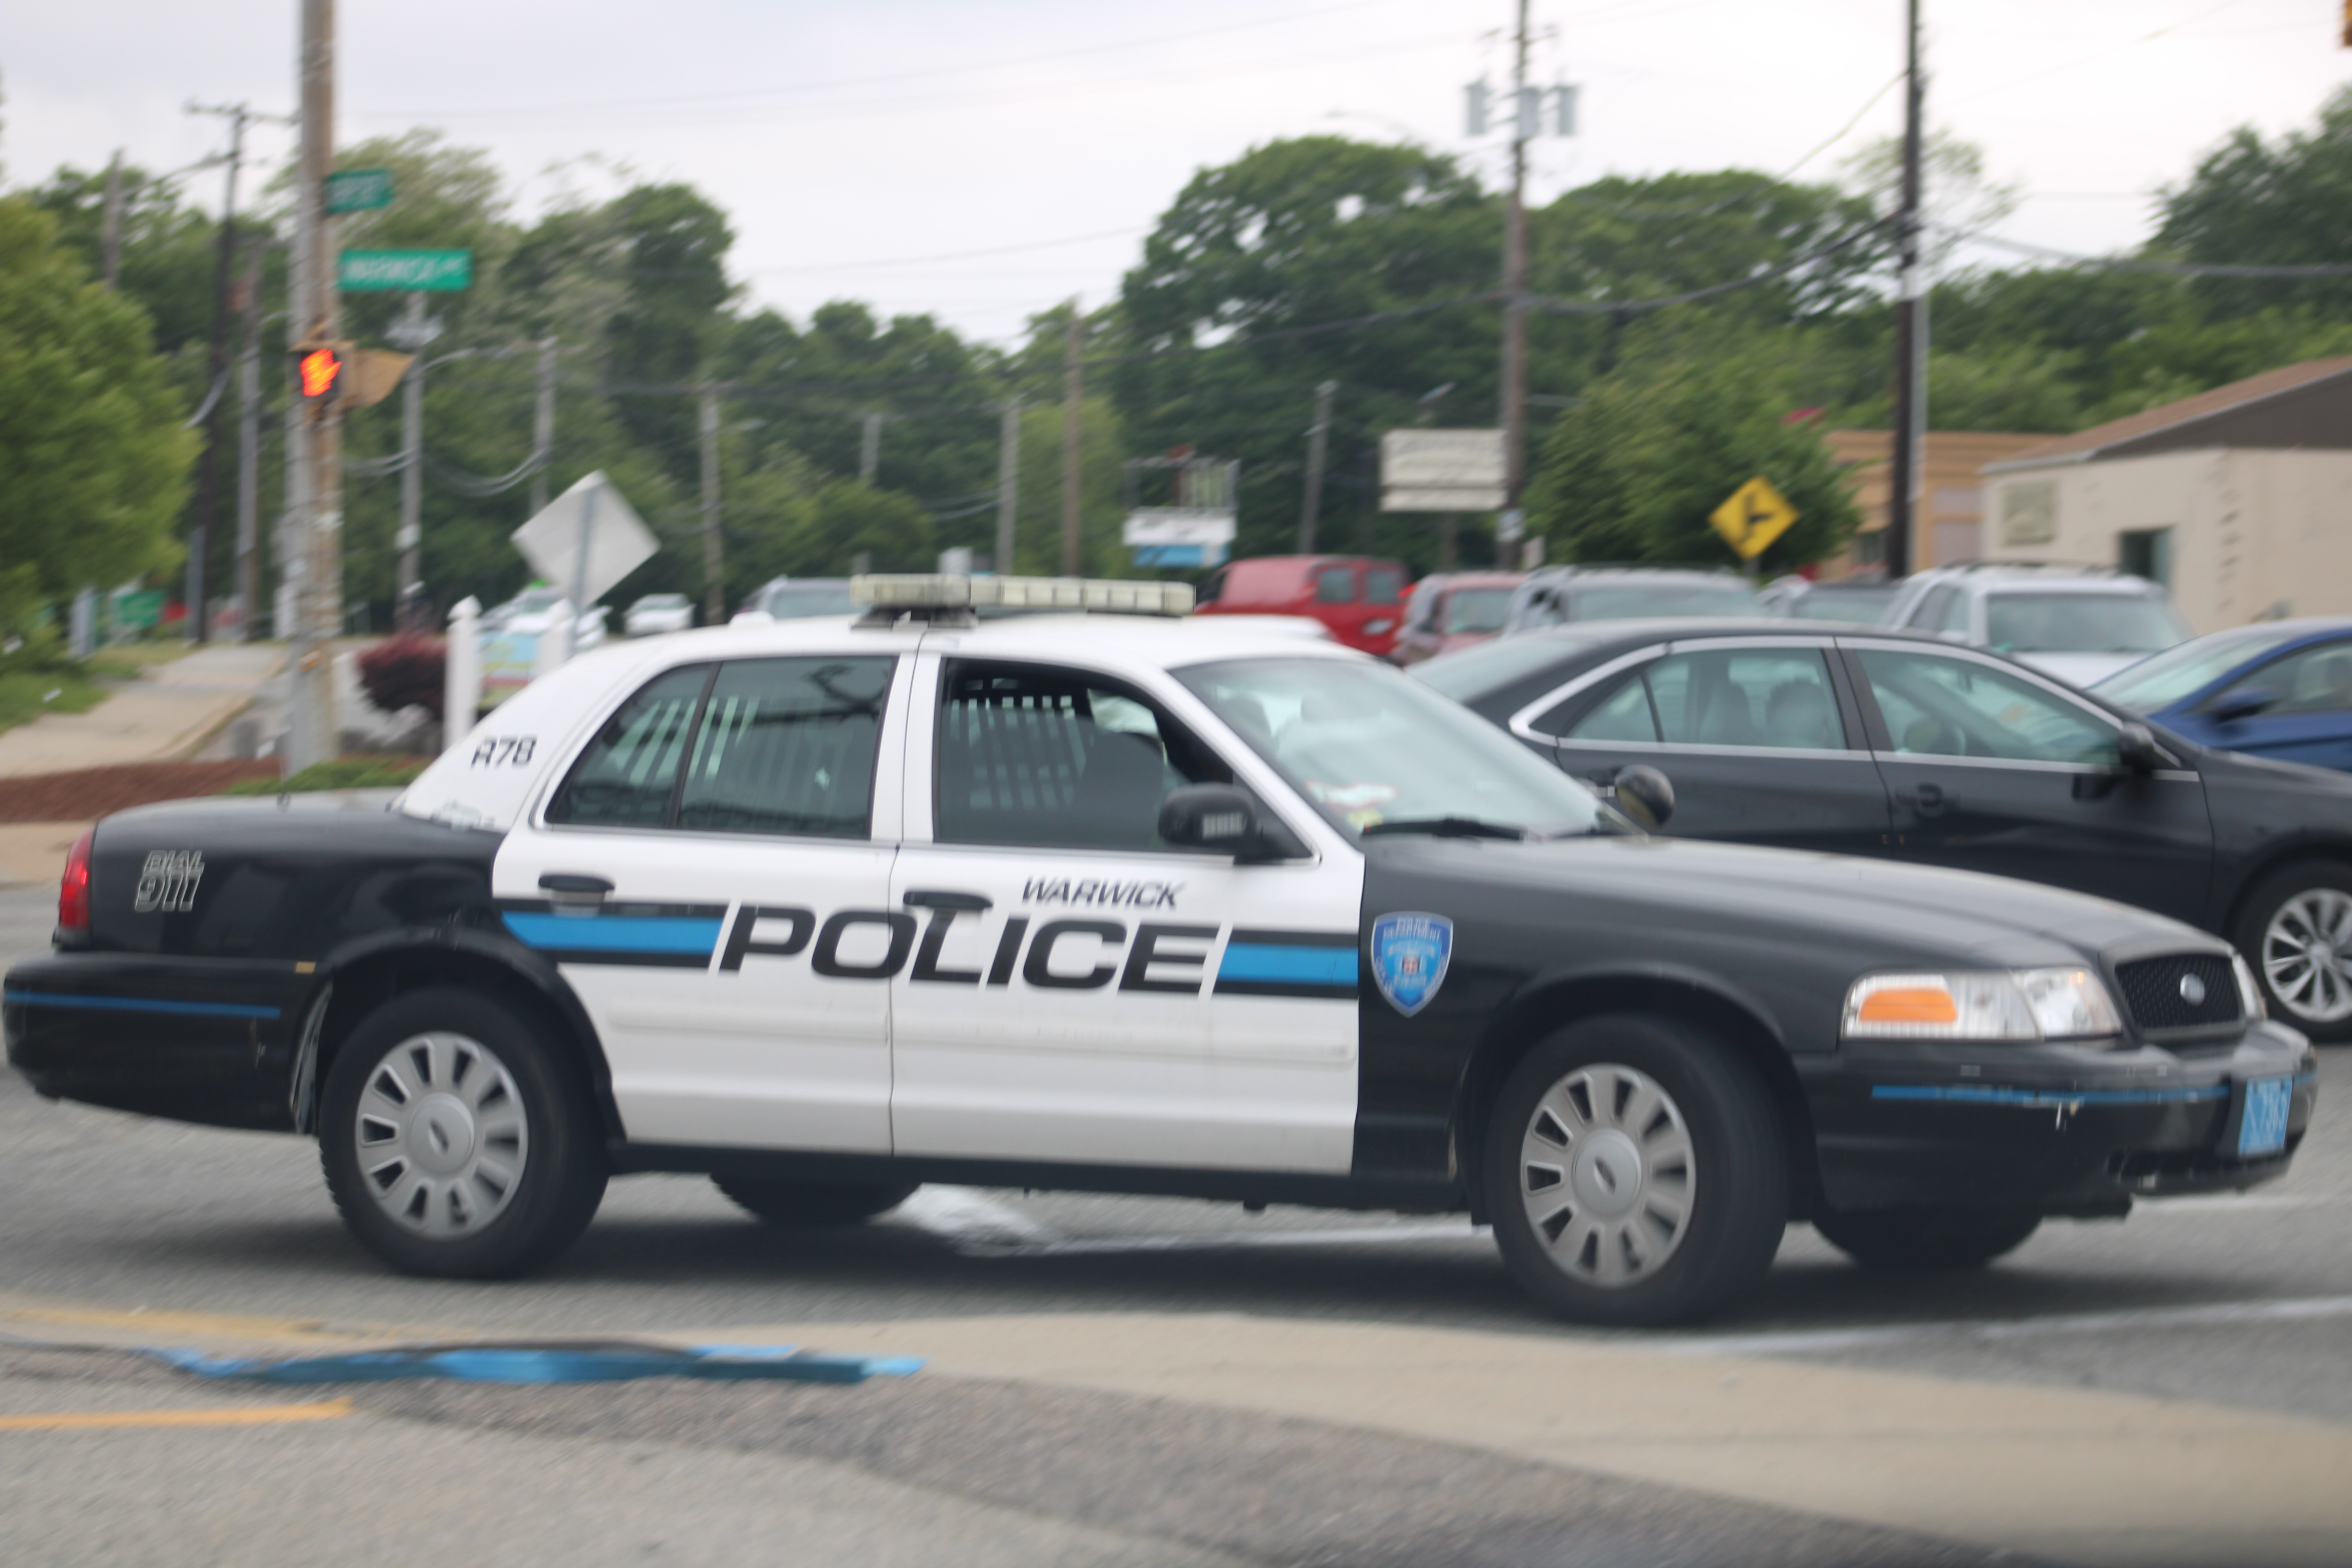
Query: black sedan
x,y
1906,747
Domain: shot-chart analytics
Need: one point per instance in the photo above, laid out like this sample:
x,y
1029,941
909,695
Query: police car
x,y
1128,902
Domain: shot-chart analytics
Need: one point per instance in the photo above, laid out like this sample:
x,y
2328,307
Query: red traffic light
x,y
320,369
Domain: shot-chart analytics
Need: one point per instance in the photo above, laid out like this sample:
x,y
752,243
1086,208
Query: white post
x,y
461,673
555,642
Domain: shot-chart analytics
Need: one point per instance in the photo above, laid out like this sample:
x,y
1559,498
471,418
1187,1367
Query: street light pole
x,y
319,525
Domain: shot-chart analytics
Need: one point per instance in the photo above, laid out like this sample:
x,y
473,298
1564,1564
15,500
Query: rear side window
x,y
787,746
1335,585
774,746
1777,699
1383,585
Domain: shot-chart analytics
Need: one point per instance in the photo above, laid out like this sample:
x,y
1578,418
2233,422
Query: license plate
x,y
2262,1129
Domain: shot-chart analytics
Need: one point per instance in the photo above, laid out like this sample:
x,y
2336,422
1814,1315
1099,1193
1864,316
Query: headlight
x,y
1992,1005
2250,995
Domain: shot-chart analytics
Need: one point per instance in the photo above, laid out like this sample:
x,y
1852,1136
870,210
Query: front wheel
x,y
1636,1172
1926,1238
813,1206
458,1137
2296,932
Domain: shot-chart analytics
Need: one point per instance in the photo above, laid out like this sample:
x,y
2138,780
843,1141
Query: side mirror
x,y
2243,702
1224,820
1646,796
2136,749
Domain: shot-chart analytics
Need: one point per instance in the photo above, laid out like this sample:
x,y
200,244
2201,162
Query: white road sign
x,y
591,516
1442,470
1179,536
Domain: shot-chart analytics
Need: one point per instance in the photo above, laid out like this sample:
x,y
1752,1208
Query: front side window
x,y
2164,679
1335,585
779,746
1034,755
1958,708
2314,680
1779,698
1372,748
1383,585
1477,609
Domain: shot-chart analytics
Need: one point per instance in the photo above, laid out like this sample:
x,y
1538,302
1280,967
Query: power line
x,y
2168,268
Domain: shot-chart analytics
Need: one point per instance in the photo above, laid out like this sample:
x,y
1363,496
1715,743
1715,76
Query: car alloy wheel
x,y
1607,1175
2306,955
442,1135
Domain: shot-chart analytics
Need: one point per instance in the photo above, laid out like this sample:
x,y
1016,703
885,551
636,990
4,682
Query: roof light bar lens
x,y
942,590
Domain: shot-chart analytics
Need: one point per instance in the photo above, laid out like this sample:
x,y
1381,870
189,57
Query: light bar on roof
x,y
942,590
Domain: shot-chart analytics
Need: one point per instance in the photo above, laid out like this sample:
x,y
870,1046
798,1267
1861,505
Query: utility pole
x,y
1310,505
542,425
248,453
109,242
1903,478
200,529
714,589
1008,483
1073,348
870,450
319,525
1515,279
415,332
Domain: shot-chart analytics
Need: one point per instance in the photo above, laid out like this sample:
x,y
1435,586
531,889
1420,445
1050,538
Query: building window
x,y
2147,552
1870,548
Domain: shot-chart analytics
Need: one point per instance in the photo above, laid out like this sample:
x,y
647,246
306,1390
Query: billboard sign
x,y
1179,536
1442,470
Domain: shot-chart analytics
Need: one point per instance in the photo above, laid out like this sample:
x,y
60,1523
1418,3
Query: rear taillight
x,y
73,888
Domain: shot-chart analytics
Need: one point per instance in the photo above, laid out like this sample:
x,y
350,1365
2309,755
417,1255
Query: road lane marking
x,y
2216,1314
242,1416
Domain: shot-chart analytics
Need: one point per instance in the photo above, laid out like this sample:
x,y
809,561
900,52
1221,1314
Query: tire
x,y
458,1137
814,1205
2296,929
1926,1238
1669,1163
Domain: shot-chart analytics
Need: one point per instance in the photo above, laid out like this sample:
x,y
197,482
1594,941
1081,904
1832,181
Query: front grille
x,y
2152,992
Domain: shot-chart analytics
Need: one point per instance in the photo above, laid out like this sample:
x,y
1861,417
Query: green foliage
x,y
343,772
2281,202
93,463
1632,473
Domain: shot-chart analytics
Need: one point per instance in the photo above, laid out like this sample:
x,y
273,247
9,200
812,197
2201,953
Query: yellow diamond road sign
x,y
1755,516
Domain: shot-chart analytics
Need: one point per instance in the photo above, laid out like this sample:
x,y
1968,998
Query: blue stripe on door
x,y
1288,965
140,1004
693,935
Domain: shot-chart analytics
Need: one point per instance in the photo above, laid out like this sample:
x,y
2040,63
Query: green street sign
x,y
405,271
359,190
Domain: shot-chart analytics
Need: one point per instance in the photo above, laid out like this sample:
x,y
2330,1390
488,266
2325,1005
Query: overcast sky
x,y
869,150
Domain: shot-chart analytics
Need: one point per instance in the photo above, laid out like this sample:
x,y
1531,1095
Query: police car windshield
x,y
1368,744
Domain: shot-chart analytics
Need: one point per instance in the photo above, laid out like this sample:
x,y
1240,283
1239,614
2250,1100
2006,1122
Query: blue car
x,y
2281,690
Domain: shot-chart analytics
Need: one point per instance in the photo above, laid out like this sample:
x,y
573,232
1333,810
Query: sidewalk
x,y
162,717
165,717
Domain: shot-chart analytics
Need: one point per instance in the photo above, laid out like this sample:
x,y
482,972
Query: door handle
x,y
936,899
575,885
1929,799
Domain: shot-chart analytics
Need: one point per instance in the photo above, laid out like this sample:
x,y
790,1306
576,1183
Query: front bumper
x,y
207,1040
2061,1128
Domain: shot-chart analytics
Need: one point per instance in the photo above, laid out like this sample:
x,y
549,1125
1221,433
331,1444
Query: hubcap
x,y
441,1135
2307,955
1607,1175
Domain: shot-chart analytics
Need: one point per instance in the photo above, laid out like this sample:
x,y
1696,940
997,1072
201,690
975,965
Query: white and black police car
x,y
1133,903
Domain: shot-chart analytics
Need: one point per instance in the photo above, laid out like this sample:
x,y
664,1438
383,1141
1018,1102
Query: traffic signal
x,y
322,368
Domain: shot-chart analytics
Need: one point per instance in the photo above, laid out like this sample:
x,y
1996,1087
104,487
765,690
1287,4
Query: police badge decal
x,y
1409,953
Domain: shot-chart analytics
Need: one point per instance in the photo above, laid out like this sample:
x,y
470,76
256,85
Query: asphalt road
x,y
2240,1302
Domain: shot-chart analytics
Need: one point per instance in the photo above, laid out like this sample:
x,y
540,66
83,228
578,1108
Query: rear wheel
x,y
1929,1237
458,1138
1636,1172
814,1205
2296,932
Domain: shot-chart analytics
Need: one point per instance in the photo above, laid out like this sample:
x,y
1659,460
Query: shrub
x,y
343,772
404,671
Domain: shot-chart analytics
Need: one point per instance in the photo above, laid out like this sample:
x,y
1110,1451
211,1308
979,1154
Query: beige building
x,y
2238,499
1951,527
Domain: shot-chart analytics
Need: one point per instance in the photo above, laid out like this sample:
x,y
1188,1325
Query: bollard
x,y
461,673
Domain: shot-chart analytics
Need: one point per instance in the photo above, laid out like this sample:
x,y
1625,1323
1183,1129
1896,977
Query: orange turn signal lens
x,y
1909,1005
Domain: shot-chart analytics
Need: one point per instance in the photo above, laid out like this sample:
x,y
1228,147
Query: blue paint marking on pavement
x,y
694,934
530,1363
138,1004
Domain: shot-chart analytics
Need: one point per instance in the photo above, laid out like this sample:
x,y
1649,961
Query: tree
x,y
93,461
1632,473
2283,203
